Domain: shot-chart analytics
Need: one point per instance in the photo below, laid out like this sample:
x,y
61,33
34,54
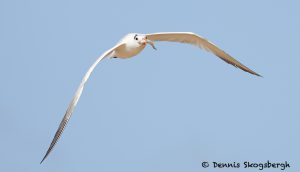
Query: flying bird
x,y
131,45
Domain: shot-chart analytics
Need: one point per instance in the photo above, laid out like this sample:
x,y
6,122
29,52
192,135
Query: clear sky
x,y
165,110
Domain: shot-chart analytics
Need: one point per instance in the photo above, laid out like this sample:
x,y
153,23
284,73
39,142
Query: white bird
x,y
131,45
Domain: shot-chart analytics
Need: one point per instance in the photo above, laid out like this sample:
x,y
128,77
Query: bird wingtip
x,y
258,75
46,155
42,161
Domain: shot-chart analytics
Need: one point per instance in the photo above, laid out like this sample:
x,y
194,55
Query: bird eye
x,y
136,38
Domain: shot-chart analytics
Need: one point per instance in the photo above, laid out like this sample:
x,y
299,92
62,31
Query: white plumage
x,y
131,45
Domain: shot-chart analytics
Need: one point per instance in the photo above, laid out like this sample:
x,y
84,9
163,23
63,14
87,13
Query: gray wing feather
x,y
74,101
194,39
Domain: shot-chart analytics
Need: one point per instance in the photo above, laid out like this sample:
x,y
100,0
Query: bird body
x,y
131,45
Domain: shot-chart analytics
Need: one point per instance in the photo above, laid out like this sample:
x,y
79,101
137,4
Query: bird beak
x,y
147,41
151,43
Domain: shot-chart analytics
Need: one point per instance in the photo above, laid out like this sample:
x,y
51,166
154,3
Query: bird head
x,y
140,40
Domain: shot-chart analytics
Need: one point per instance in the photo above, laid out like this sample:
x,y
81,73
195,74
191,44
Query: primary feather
x,y
194,39
74,101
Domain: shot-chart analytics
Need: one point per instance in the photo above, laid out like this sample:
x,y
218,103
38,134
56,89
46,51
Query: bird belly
x,y
127,52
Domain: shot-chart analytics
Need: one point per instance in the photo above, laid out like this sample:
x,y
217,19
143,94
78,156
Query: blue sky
x,y
165,110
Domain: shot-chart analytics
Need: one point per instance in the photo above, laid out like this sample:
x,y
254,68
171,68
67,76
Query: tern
x,y
131,45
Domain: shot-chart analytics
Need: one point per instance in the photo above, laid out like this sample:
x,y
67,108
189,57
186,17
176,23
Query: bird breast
x,y
128,51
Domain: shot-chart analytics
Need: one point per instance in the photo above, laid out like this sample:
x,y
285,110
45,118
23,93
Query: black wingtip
x,y
42,160
46,155
258,75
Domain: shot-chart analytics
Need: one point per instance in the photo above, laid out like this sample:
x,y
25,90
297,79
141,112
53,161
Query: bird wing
x,y
75,99
194,39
